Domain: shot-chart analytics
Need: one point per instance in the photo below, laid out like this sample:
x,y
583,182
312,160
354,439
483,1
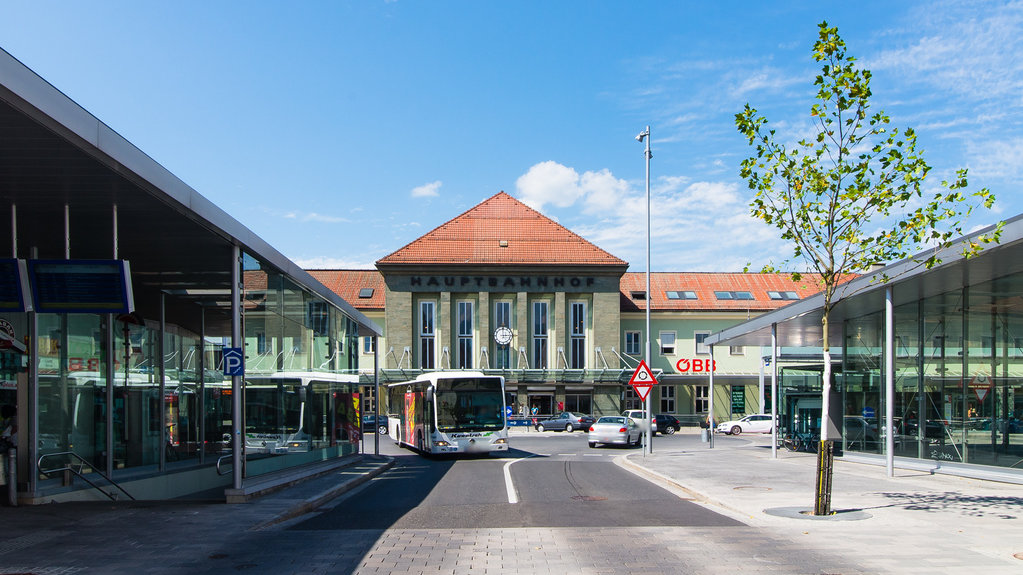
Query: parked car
x,y
566,421
370,423
860,432
758,423
666,424
933,429
614,430
640,417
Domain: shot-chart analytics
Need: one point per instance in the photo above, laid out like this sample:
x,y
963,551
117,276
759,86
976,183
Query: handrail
x,y
221,458
76,468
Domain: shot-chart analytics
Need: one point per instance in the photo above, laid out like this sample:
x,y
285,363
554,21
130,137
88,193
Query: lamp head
x,y
642,135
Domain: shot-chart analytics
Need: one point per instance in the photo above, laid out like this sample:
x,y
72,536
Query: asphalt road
x,y
556,479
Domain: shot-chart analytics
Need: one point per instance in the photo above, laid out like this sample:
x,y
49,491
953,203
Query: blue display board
x,y
81,286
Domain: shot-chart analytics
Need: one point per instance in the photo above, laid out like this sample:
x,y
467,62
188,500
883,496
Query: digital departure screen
x,y
81,286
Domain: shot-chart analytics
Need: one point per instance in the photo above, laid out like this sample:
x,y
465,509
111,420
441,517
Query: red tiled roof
x,y
348,284
476,237
705,284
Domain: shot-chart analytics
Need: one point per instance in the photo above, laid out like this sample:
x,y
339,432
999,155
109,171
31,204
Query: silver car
x,y
615,429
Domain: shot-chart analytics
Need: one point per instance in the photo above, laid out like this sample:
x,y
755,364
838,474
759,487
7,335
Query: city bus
x,y
450,412
297,412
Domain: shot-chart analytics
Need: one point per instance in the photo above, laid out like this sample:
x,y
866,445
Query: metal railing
x,y
230,468
75,463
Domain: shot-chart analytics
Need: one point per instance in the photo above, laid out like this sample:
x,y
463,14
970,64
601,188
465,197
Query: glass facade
x,y
129,398
958,379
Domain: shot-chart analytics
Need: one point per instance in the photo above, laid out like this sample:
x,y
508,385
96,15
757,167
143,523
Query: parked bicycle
x,y
801,441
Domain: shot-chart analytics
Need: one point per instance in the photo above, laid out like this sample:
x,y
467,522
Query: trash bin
x,y
705,435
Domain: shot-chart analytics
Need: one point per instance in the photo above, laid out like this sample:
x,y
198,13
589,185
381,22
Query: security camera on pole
x,y
645,135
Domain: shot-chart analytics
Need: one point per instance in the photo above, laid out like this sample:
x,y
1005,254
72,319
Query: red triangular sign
x,y
642,380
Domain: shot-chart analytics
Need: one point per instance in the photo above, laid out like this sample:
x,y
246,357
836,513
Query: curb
x,y
651,475
322,498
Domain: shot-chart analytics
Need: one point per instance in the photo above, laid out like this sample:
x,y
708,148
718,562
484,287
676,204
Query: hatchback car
x,y
566,421
666,424
371,423
614,430
759,423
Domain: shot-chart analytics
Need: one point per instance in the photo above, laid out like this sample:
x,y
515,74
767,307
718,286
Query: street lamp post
x,y
648,444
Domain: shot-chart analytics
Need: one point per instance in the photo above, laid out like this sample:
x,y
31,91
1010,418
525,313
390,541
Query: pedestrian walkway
x,y
915,522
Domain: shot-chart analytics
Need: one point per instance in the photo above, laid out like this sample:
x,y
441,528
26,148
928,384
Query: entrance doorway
x,y
544,404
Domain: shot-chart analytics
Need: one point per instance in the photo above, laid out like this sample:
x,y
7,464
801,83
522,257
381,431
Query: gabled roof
x,y
501,230
705,284
353,286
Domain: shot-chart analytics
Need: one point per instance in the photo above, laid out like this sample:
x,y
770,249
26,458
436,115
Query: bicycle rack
x,y
75,464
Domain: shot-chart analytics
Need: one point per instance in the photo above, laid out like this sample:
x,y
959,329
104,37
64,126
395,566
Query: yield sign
x,y
642,380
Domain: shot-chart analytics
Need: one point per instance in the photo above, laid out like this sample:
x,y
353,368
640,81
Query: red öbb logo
x,y
696,365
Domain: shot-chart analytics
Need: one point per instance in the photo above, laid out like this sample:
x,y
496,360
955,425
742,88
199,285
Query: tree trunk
x,y
825,451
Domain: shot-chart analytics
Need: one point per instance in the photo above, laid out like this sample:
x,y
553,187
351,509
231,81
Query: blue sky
x,y
341,131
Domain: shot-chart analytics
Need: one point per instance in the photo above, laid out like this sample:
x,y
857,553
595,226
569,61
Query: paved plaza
x,y
913,523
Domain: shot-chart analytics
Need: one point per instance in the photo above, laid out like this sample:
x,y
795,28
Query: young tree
x,y
850,197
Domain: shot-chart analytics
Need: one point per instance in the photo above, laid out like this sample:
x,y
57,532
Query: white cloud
x,y
332,263
313,217
427,190
561,186
963,52
703,225
548,183
997,159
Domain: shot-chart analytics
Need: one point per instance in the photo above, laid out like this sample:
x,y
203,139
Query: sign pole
x,y
642,381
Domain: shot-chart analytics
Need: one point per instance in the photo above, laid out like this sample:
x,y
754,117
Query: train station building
x,y
121,317
503,289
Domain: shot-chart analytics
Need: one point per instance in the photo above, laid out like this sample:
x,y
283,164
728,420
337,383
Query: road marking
x,y
513,497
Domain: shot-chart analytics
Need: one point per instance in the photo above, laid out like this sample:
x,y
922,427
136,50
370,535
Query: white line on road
x,y
513,497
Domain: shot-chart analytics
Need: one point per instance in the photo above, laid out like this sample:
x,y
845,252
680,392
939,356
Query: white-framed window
x,y
667,339
427,335
701,398
633,345
699,337
540,312
737,350
577,335
369,344
667,398
465,334
502,318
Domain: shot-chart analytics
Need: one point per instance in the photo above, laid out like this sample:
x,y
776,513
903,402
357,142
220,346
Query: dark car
x,y
370,424
566,421
667,424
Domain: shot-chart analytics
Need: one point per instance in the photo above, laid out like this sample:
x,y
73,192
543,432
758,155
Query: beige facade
x,y
563,327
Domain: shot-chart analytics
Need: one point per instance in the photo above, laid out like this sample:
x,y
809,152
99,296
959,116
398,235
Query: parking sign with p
x,y
234,361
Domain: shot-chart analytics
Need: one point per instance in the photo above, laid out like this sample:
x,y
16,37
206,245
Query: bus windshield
x,y
470,404
273,406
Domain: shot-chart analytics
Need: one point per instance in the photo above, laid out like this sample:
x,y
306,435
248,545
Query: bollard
x,y
704,435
